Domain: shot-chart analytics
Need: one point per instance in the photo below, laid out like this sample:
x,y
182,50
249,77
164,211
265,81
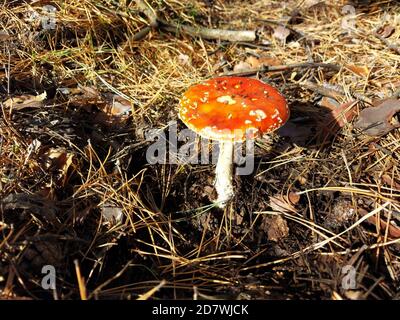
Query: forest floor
x,y
83,81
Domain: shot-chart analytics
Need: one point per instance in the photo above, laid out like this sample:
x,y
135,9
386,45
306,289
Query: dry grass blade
x,y
151,292
81,281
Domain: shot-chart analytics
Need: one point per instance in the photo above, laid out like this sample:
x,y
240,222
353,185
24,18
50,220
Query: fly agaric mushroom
x,y
229,110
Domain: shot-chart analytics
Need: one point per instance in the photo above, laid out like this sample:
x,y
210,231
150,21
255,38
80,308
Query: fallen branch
x,y
211,34
203,32
283,68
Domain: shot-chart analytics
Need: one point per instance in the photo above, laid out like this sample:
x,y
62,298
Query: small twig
x,y
223,44
264,46
283,68
390,45
331,91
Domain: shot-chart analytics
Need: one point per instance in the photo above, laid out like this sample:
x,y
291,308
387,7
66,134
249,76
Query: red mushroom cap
x,y
233,108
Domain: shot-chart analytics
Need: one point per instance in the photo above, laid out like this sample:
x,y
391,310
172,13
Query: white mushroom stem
x,y
223,173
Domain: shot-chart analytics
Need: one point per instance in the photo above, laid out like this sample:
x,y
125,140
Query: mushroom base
x,y
223,173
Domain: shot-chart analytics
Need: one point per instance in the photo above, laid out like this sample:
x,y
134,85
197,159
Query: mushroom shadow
x,y
310,126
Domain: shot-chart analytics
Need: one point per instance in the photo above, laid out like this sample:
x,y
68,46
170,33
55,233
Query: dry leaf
x,y
329,103
275,227
257,63
183,59
393,230
117,106
390,182
83,96
263,61
120,107
61,160
281,33
114,111
112,214
25,101
379,120
4,36
242,66
386,31
338,117
345,113
354,294
293,197
362,71
280,204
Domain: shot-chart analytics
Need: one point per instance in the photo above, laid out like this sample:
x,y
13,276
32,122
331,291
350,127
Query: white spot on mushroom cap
x,y
276,114
226,99
259,114
248,122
